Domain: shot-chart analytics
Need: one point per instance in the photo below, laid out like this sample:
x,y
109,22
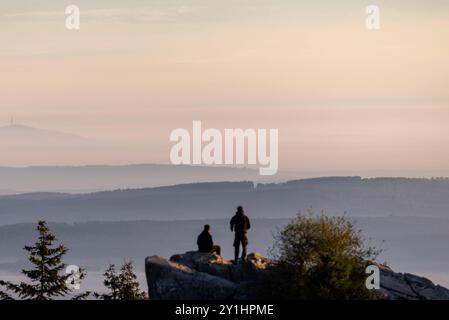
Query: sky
x,y
344,99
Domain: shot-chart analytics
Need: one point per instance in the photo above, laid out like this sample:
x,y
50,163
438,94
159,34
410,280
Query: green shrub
x,y
318,257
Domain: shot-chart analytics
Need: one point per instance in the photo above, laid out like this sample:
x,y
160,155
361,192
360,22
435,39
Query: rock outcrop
x,y
169,280
406,286
196,275
203,276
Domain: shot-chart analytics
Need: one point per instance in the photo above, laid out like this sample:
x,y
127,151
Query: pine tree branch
x,y
82,296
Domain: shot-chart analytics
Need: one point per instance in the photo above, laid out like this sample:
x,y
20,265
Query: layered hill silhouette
x,y
90,178
359,197
17,136
39,160
21,144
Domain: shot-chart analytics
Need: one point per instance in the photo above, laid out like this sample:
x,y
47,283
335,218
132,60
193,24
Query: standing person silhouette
x,y
240,225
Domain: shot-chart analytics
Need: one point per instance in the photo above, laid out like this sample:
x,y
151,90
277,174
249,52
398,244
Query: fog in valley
x,y
407,218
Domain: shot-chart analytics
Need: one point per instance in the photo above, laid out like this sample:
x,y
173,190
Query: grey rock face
x,y
217,266
172,281
206,276
400,286
197,275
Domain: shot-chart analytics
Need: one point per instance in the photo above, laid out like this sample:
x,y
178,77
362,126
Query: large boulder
x,y
254,268
172,281
207,276
406,286
197,275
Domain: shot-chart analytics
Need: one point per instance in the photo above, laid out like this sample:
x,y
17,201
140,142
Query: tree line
x,y
47,280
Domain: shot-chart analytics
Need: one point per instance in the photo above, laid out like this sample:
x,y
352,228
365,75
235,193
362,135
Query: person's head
x,y
206,227
240,210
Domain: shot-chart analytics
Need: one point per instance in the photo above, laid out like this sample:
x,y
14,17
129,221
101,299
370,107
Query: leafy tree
x,y
123,285
46,279
319,257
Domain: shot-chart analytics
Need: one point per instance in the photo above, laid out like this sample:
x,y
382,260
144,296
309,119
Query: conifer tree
x,y
47,280
123,285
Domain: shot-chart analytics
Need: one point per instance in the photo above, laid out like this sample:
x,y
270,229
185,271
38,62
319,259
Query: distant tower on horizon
x,y
11,121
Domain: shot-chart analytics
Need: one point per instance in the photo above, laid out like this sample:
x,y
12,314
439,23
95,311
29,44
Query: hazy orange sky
x,y
344,99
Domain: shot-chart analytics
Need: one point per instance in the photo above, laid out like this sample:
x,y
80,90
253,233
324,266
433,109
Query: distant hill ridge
x,y
91,178
246,185
333,195
22,134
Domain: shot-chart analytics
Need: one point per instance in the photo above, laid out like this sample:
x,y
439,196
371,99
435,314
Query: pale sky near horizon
x,y
344,99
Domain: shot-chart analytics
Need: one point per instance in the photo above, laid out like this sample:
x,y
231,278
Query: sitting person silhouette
x,y
205,242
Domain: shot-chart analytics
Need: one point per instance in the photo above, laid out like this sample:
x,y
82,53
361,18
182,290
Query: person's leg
x,y
244,245
236,253
243,252
236,249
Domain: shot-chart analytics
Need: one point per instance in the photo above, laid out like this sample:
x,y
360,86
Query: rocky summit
x,y
205,276
406,286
